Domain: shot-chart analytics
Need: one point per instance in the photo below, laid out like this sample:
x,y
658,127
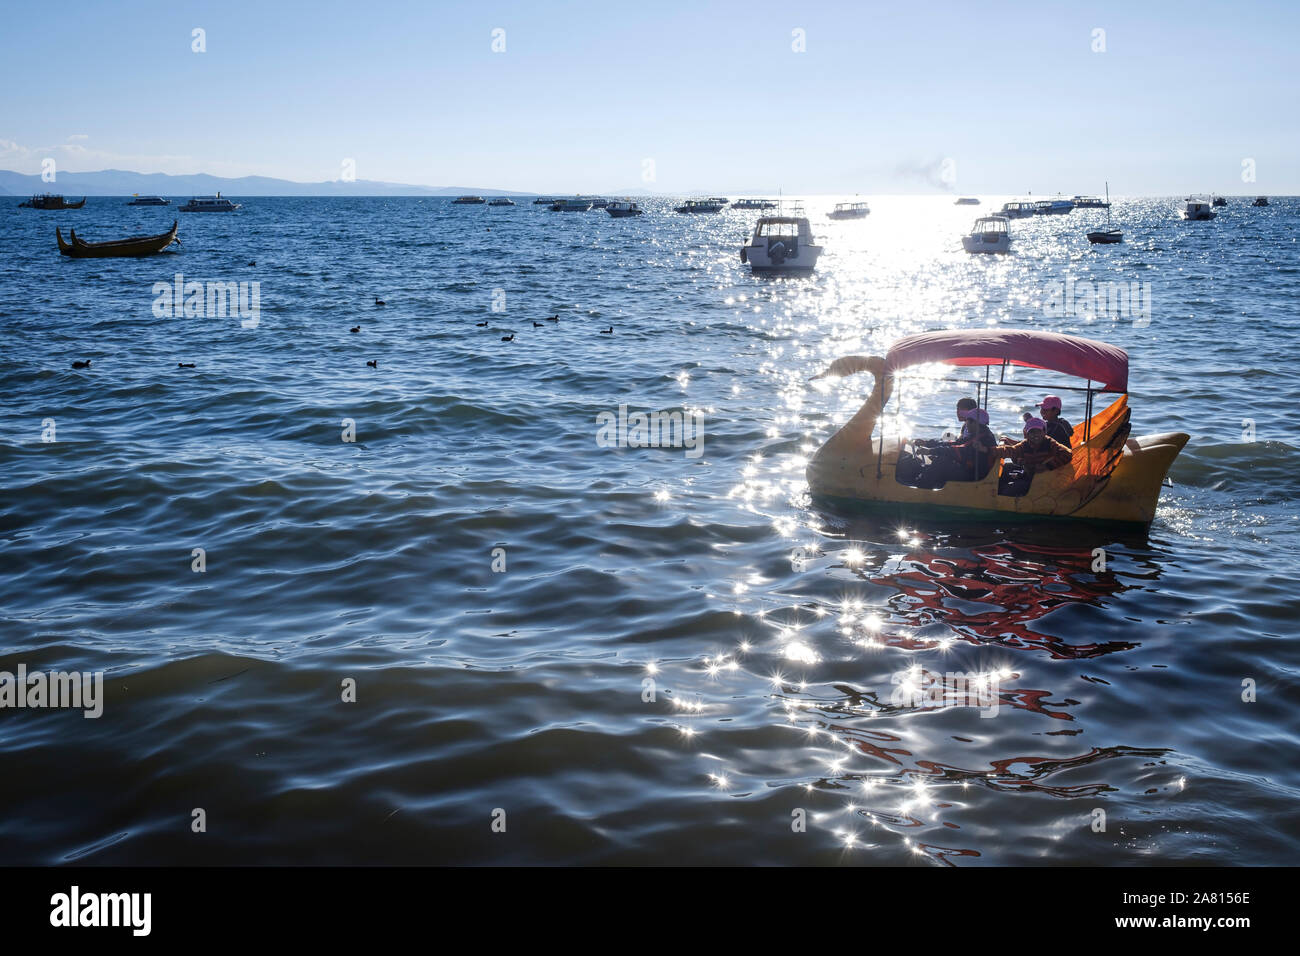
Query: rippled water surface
x,y
682,660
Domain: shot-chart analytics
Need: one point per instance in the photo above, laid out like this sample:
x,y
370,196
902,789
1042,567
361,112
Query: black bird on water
x,y
355,328
81,364
374,364
252,263
508,338
480,324
537,325
184,364
552,318
608,331
379,301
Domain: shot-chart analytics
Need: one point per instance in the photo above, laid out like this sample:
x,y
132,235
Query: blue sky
x,y
1010,94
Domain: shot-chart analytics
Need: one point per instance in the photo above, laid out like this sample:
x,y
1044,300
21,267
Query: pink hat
x,y
975,414
1051,401
1035,423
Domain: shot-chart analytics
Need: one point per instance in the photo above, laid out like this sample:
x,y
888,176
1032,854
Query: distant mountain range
x,y
120,182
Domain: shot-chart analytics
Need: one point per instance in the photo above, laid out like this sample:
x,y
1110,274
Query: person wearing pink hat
x,y
969,458
1038,452
1057,427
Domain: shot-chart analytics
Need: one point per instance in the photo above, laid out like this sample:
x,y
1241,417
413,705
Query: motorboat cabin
x,y
990,234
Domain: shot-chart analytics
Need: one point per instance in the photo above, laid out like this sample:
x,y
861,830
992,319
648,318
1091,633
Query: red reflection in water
x,y
1018,584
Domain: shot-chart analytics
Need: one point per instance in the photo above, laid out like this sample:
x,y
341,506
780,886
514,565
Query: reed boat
x,y
78,248
50,201
1111,476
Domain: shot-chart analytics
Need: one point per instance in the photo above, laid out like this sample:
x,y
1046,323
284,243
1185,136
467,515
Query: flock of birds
x,y
85,363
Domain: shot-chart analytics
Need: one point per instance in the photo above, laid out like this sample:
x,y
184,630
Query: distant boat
x,y
599,203
753,204
989,234
134,247
719,199
1107,236
849,210
781,245
576,204
1260,201
209,204
543,200
149,201
468,201
622,208
1089,202
1018,210
967,201
49,201
1219,201
1197,210
502,201
701,205
1053,207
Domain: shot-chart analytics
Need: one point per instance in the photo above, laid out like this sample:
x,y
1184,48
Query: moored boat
x,y
781,245
1108,236
1260,201
149,201
623,208
50,201
1219,201
468,201
700,205
577,204
1018,210
1053,207
967,201
210,204
502,201
753,204
1089,202
544,201
849,210
78,248
989,234
1110,476
1197,210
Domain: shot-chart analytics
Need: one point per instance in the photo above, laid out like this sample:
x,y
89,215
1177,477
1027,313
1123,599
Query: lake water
x,y
568,653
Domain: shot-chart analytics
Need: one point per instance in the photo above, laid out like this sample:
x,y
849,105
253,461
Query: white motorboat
x,y
1018,210
149,201
753,204
990,234
571,205
209,204
1197,210
781,245
502,201
701,205
849,210
622,208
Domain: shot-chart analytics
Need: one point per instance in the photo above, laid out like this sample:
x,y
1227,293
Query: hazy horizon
x,y
1161,100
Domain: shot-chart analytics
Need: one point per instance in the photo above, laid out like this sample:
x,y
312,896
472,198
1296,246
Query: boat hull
x,y
132,248
761,263
1129,494
979,244
1106,237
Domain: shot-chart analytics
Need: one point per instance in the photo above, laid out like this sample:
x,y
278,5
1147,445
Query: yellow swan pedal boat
x,y
1111,477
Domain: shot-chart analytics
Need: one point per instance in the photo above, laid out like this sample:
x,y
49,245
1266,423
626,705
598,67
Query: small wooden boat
x,y
48,201
135,246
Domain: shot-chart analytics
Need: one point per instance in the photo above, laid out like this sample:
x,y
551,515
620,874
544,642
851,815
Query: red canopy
x,y
1069,354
